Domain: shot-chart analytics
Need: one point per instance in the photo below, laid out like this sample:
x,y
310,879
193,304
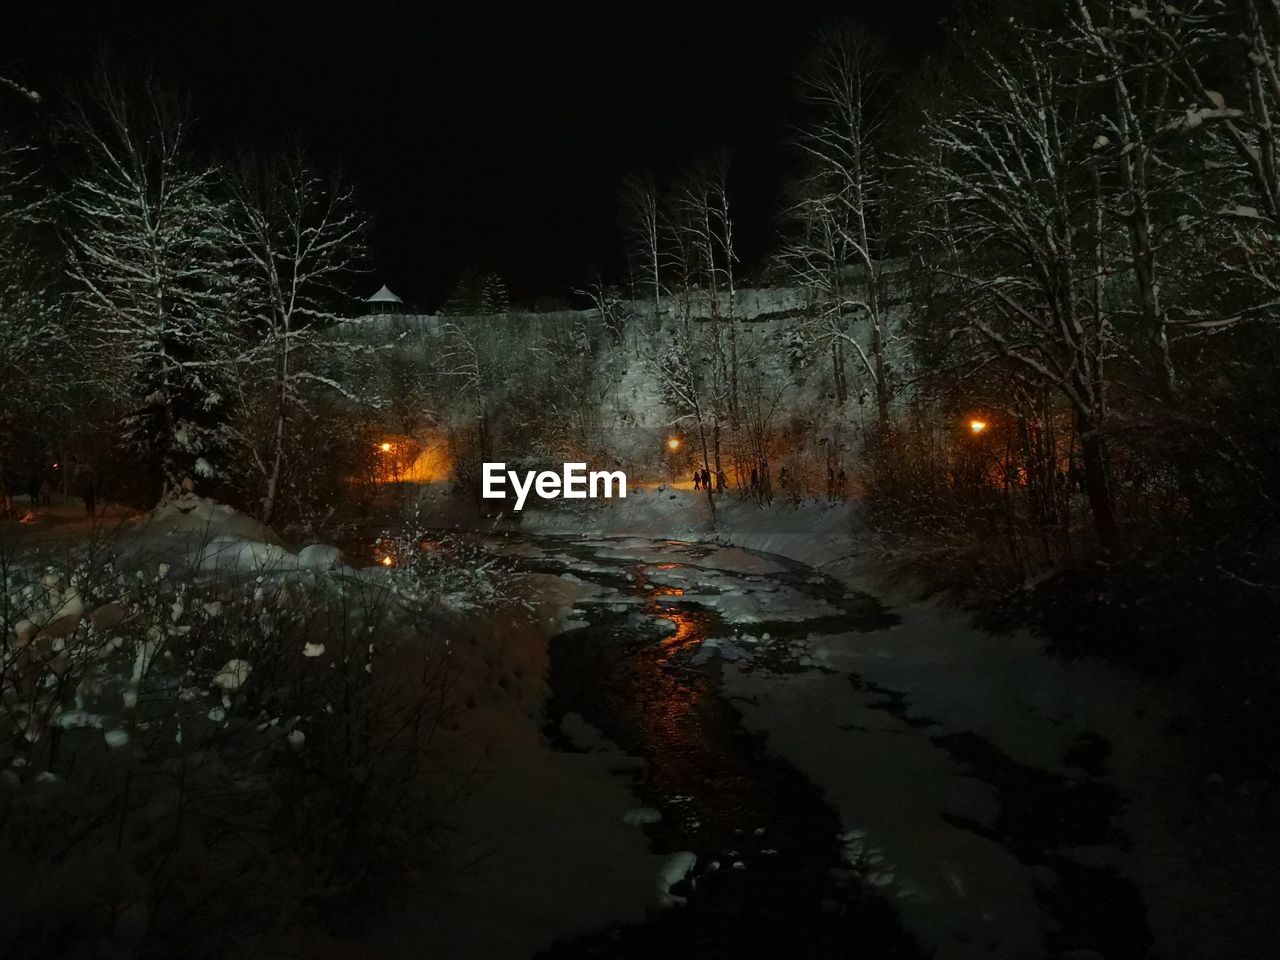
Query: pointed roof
x,y
384,295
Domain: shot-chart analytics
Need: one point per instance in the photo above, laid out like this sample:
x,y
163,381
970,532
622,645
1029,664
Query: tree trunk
x,y
1097,477
273,482
837,371
882,385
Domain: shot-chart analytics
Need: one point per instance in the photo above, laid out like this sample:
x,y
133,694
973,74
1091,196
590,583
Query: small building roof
x,y
384,295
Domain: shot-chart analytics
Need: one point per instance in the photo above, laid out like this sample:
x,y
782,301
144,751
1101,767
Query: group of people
x,y
702,480
837,481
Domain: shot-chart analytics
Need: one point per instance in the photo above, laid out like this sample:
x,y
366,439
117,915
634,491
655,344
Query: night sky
x,y
479,134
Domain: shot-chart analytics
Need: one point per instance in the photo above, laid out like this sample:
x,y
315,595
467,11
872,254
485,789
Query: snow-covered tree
x,y
297,238
32,332
1020,244
477,293
494,298
1223,60
1155,174
150,273
639,210
839,217
15,87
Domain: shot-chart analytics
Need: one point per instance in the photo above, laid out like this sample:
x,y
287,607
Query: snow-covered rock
x,y
584,736
673,870
319,556
233,675
641,816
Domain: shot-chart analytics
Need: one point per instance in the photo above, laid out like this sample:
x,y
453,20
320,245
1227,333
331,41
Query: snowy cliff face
x,y
781,381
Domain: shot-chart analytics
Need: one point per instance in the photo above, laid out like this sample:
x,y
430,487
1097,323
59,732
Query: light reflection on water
x,y
723,795
690,627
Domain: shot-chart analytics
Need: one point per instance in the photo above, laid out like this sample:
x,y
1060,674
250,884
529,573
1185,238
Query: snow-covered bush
x,y
450,572
190,759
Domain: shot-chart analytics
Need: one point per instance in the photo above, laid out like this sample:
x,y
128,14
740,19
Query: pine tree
x,y
493,295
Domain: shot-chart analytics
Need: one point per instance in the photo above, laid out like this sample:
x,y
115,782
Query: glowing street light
x,y
673,444
385,446
977,426
388,561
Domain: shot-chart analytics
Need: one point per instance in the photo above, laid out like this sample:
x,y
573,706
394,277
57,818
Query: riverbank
x,y
504,845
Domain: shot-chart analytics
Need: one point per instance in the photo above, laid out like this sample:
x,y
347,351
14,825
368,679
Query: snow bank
x,y
192,516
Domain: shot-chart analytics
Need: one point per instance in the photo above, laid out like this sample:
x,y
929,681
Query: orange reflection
x,y
689,632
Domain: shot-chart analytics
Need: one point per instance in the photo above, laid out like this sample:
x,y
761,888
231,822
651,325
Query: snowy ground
x,y
924,817
536,843
934,741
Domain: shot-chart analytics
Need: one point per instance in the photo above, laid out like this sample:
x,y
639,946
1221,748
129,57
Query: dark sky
x,y
482,134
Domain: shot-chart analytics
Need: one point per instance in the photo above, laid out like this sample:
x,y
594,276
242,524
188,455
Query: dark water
x,y
722,794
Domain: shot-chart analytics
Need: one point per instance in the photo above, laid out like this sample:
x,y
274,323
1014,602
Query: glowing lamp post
x,y
673,448
974,454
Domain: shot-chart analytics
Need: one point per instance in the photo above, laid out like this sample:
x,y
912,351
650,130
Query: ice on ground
x,y
738,561
965,894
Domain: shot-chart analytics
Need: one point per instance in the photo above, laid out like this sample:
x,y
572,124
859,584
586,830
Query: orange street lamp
x,y
385,446
673,444
388,561
977,426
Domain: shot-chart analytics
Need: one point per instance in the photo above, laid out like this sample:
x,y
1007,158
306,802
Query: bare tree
x,y
839,216
1193,42
20,90
640,217
1024,215
299,238
1144,159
